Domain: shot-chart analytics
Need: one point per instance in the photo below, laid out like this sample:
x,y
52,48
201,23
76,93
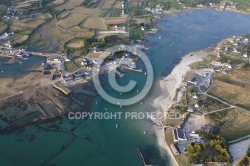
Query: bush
x,y
135,34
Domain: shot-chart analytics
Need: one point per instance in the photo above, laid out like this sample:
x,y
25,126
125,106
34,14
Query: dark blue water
x,y
21,68
98,142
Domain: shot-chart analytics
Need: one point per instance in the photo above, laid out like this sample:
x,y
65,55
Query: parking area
x,y
239,149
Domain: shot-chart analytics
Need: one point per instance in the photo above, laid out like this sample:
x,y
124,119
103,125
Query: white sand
x,y
165,90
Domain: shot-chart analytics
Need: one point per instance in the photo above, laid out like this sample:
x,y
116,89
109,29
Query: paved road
x,y
239,139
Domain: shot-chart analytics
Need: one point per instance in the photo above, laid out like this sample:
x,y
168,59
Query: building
x,y
196,106
190,109
194,134
68,79
193,81
179,135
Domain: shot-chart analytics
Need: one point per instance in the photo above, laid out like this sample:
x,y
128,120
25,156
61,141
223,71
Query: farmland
x,y
110,13
63,15
71,66
232,87
108,4
71,20
67,23
77,43
94,23
93,3
69,5
3,27
232,124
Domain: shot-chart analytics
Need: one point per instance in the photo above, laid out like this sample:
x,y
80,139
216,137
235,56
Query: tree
x,y
194,158
190,149
211,143
203,146
197,148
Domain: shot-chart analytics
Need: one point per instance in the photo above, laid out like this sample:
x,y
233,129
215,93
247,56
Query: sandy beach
x,y
165,92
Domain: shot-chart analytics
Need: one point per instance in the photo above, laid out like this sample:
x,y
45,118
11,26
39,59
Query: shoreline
x,y
174,12
165,93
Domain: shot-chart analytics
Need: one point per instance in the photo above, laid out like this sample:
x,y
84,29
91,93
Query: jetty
x,y
61,88
132,69
143,160
119,73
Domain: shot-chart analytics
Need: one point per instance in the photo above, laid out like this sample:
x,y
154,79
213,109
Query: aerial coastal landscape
x,y
187,59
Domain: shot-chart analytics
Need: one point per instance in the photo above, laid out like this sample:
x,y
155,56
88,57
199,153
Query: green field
x,y
71,66
116,12
104,13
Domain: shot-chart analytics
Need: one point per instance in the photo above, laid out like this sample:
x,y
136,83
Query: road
x,y
218,110
222,101
239,139
129,16
113,32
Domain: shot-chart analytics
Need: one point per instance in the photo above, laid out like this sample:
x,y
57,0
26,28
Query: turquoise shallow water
x,y
98,142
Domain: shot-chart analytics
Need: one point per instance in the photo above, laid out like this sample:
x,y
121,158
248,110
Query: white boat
x,y
2,71
116,126
144,132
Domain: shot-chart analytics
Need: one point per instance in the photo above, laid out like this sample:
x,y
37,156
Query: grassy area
x,y
200,65
135,34
104,13
173,122
232,124
116,12
209,104
71,66
233,88
242,4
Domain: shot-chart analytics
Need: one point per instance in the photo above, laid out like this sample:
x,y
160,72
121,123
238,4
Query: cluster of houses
x,y
5,35
229,5
123,8
5,52
198,80
157,11
234,45
222,5
20,53
13,14
7,44
76,76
